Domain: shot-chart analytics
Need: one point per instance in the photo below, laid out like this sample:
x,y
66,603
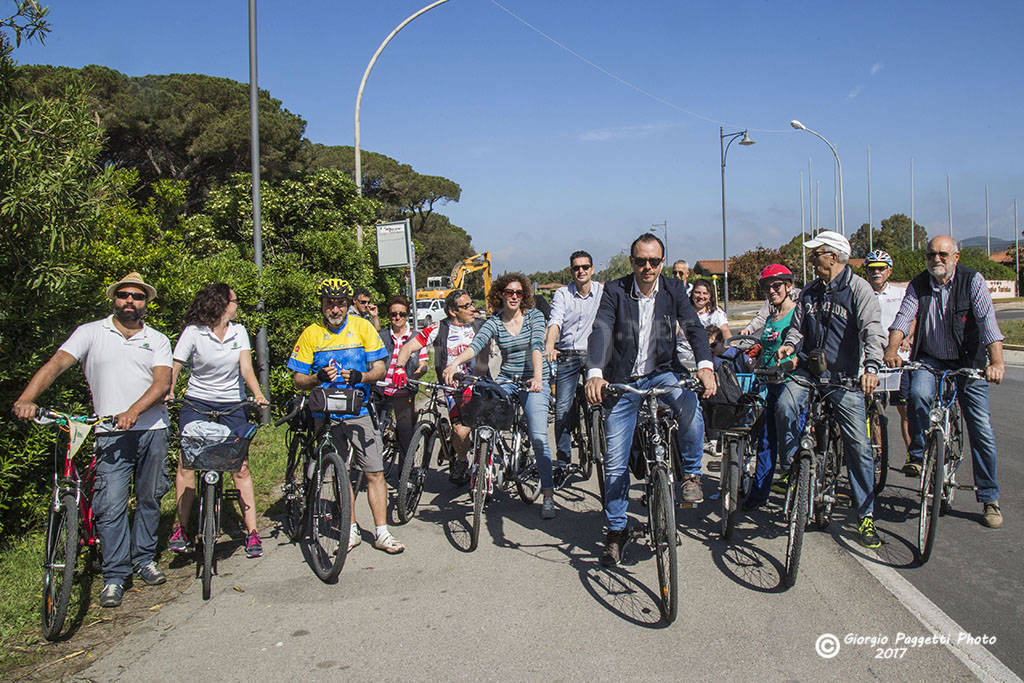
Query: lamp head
x,y
796,124
746,139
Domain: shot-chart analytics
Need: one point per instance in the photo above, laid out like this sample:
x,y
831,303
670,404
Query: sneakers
x,y
179,541
781,484
692,492
613,543
388,544
547,508
150,573
111,595
912,468
253,547
992,517
868,536
460,472
354,537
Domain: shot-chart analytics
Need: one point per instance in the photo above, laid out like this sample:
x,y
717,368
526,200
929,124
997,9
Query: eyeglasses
x,y
362,302
679,273
135,296
816,254
397,314
466,306
586,266
233,301
640,262
513,292
778,284
939,254
335,303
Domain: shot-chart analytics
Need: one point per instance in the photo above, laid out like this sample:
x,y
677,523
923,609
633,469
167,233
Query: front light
x,y
212,477
807,443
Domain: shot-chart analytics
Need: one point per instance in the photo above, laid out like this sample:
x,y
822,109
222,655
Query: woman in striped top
x,y
519,330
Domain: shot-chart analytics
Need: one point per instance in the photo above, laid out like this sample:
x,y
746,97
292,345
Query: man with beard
x,y
956,328
127,365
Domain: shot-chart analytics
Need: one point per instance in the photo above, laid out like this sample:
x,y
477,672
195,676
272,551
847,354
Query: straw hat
x,y
135,279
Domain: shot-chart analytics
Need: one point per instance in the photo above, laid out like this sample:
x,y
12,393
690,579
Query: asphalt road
x,y
532,602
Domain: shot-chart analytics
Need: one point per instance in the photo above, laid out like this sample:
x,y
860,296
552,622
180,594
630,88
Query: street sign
x,y
393,244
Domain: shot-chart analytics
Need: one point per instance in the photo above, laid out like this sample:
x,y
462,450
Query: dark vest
x,y
966,332
480,363
411,365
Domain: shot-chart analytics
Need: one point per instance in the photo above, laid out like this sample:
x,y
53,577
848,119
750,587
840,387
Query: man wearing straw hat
x,y
127,365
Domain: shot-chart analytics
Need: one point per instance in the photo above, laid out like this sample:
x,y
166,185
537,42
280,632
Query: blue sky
x,y
554,155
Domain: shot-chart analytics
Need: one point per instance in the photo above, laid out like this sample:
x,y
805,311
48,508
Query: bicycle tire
x,y
584,437
414,471
59,560
931,497
879,425
729,486
328,517
294,492
663,536
597,448
527,475
209,537
956,432
480,486
798,502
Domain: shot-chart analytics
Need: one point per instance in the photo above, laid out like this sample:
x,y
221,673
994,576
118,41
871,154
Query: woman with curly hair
x,y
221,358
705,301
518,328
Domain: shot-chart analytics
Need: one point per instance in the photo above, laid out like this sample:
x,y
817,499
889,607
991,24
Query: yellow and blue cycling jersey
x,y
354,346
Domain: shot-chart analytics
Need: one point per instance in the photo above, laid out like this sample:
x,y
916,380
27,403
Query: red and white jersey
x,y
459,338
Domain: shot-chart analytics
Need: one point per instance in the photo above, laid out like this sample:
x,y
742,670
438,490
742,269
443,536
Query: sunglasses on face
x,y
679,273
398,314
584,267
335,303
778,284
640,262
134,296
939,254
362,302
513,293
466,306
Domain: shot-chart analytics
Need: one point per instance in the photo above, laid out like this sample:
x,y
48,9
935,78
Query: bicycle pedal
x,y
714,466
966,487
681,504
231,494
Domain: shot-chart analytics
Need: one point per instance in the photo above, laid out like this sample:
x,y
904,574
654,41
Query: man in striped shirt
x,y
956,327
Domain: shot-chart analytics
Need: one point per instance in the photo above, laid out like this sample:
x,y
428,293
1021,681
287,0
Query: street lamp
x,y
842,206
724,148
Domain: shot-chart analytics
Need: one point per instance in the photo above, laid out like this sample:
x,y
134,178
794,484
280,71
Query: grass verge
x,y
1013,330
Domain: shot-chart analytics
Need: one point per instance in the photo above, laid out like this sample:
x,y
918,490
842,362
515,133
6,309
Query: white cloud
x,y
853,93
626,132
875,68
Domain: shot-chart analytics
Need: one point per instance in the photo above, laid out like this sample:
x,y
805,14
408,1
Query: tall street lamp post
x,y
842,204
724,149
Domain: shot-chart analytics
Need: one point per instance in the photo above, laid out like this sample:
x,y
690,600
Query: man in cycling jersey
x,y
345,351
449,338
836,321
633,341
573,309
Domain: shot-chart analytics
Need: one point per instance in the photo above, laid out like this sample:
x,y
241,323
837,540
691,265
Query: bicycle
x,y
432,431
70,524
944,441
878,434
318,500
210,458
653,457
385,423
586,431
502,452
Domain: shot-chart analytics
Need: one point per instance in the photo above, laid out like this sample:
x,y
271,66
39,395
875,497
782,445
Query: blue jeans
x,y
767,446
535,406
848,409
619,427
120,456
973,397
566,381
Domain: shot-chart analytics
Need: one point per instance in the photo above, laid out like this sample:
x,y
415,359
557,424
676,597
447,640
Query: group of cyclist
x,y
640,329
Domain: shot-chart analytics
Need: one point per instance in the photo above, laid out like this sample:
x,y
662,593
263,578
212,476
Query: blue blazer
x,y
613,341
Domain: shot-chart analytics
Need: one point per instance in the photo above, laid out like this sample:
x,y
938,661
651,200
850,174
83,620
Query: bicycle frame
x,y
66,476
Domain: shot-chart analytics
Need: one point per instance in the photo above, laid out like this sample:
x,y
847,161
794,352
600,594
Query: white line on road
x,y
982,663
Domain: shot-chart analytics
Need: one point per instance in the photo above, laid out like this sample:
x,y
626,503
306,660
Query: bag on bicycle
x,y
725,408
488,406
336,400
210,446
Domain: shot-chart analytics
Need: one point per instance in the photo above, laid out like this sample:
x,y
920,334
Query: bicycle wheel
x,y
328,517
481,476
527,475
729,486
663,536
414,470
956,432
61,555
294,491
931,496
597,448
209,536
581,425
797,501
878,425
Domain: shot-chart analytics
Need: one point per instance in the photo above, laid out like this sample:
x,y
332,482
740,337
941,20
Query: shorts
x,y
236,421
364,439
454,402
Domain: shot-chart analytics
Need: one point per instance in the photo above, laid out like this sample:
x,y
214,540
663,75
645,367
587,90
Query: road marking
x,y
982,663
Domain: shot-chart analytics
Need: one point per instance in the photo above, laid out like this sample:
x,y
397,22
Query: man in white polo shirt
x,y
128,367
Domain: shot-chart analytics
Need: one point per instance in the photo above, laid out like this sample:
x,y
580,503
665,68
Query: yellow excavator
x,y
439,287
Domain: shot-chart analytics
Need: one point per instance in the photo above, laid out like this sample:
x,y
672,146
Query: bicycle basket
x,y
488,406
221,454
336,401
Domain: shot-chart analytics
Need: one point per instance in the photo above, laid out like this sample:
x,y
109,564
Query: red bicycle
x,y
70,525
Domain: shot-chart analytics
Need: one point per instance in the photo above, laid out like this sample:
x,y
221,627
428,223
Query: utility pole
x,y
262,353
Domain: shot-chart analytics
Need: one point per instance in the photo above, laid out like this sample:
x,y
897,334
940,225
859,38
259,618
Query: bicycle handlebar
x,y
970,373
47,416
433,385
775,375
692,383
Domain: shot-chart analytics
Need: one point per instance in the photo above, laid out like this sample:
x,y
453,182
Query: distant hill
x,y
998,243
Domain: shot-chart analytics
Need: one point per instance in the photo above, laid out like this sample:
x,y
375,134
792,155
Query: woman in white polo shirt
x,y
221,358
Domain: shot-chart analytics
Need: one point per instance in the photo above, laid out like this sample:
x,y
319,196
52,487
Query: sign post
x,y
395,250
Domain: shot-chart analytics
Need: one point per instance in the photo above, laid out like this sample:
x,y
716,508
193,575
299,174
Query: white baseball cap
x,y
829,238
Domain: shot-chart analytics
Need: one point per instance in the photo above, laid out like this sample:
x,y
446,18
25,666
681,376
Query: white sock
x,y
354,529
381,530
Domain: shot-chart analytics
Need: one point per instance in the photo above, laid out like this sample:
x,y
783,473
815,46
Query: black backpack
x,y
723,409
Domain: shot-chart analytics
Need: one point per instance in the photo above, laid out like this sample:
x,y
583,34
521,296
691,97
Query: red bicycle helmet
x,y
775,271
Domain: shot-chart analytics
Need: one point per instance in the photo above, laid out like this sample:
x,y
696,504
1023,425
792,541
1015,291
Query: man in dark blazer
x,y
633,342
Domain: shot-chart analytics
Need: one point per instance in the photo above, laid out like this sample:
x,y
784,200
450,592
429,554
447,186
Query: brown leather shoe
x,y
692,492
992,517
613,543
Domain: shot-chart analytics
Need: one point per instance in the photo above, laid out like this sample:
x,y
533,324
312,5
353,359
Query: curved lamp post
x,y
842,207
359,98
724,148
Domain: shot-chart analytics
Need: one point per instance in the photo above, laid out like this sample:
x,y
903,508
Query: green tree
x,y
745,269
618,266
893,233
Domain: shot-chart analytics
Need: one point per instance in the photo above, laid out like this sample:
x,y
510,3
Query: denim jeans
x,y
619,427
566,381
973,397
120,456
535,406
848,409
767,446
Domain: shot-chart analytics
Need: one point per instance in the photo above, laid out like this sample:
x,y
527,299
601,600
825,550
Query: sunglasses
x,y
939,254
397,314
777,284
465,307
679,273
135,296
513,292
335,303
581,268
653,261
362,302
